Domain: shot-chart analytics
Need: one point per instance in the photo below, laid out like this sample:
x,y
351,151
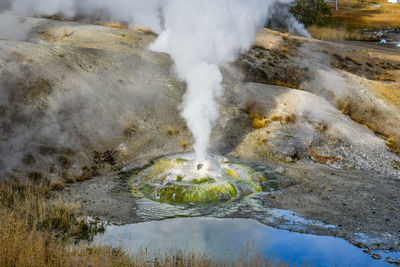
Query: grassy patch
x,y
34,232
257,121
356,14
336,34
117,25
393,144
386,76
37,232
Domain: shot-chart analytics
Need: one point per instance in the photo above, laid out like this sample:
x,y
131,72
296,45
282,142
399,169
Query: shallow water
x,y
231,237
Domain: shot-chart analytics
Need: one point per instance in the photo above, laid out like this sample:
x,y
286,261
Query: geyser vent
x,y
182,179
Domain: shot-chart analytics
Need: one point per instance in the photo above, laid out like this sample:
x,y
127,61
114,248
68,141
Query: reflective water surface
x,y
230,237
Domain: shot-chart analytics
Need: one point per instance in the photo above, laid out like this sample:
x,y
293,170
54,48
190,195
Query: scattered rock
x,y
225,161
280,170
368,251
376,256
328,188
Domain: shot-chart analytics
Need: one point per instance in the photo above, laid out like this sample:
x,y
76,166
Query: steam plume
x,y
201,36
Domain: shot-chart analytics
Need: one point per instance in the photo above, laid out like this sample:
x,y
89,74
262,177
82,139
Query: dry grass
x,y
185,145
146,30
288,84
129,129
118,25
393,144
336,34
375,119
396,165
258,121
385,76
388,92
291,118
36,232
321,159
172,131
276,118
358,14
38,92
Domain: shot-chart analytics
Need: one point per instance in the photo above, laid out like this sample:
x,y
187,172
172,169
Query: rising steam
x,y
200,36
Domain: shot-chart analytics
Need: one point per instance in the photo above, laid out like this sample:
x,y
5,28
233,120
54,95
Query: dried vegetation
x,y
35,231
369,14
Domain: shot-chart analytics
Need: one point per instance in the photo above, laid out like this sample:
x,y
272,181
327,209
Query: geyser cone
x,y
184,179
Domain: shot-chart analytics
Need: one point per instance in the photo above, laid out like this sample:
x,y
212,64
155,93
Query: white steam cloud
x,y
281,16
200,36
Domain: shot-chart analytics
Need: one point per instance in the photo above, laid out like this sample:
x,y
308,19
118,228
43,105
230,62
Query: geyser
x,y
178,179
201,36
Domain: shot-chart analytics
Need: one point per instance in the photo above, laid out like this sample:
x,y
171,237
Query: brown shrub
x,y
393,144
129,129
276,118
185,145
86,174
290,118
386,76
257,121
172,131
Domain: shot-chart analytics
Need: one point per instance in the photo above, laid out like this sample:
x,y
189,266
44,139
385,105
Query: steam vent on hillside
x,y
199,133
